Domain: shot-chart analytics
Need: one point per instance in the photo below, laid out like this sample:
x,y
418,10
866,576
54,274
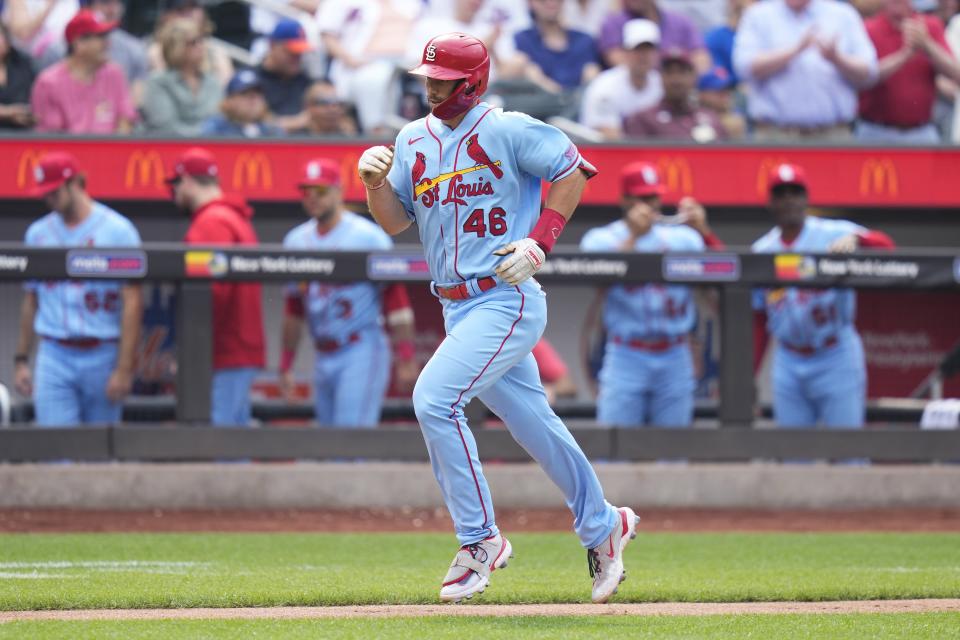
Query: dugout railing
x,y
733,273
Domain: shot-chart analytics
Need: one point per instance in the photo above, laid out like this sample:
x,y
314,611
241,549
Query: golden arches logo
x,y
252,170
763,174
675,175
27,167
879,176
144,169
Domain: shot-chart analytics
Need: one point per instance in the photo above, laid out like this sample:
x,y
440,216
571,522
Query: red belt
x,y
651,345
328,345
80,343
808,350
462,291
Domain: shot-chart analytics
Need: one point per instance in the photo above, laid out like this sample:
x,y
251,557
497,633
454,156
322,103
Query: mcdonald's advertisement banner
x,y
731,176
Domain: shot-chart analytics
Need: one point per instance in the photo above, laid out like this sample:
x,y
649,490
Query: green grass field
x,y
75,571
54,571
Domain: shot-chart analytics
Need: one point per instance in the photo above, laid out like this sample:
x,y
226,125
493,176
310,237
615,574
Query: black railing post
x,y
736,357
194,351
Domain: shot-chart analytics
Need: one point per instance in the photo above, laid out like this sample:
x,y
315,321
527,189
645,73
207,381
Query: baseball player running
x,y
819,373
352,366
469,175
647,375
88,329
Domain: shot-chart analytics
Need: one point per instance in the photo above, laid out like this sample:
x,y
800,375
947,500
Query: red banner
x,y
134,169
905,336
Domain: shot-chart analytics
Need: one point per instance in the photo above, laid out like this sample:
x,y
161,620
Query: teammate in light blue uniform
x,y
470,176
819,374
353,358
88,329
647,375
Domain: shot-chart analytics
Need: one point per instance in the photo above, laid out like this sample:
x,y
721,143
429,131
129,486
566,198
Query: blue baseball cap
x,y
717,79
243,81
292,35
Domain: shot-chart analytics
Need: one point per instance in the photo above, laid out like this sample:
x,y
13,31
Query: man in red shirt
x,y
238,351
912,50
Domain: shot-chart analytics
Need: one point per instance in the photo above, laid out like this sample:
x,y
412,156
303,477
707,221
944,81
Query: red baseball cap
x,y
786,173
195,161
640,179
87,23
52,170
320,172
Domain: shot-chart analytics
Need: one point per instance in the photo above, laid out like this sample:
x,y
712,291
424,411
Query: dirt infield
x,y
382,520
386,611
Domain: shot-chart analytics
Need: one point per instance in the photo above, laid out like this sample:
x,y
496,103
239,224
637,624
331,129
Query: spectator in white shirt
x,y
627,88
366,40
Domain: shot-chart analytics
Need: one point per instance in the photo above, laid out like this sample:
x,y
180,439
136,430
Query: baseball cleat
x,y
606,561
470,570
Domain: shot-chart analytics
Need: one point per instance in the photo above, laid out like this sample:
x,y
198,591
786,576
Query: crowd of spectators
x,y
687,70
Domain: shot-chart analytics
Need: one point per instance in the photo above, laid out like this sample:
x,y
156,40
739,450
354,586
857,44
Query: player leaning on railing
x,y
469,175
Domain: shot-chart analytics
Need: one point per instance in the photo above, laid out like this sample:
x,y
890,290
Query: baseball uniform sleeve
x,y
399,179
543,150
597,240
126,234
293,289
30,239
690,240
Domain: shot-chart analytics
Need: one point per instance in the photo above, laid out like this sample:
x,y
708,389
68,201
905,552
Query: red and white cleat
x,y
606,560
471,568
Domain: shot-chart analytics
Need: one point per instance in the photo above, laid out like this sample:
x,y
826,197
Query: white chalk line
x,y
391,611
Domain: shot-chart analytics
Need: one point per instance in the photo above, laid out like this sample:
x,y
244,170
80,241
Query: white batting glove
x,y
525,259
845,244
374,165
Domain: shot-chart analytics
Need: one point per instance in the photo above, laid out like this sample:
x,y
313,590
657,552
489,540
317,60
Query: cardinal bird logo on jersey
x,y
478,155
419,167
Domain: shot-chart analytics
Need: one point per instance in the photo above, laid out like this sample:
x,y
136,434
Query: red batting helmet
x,y
456,56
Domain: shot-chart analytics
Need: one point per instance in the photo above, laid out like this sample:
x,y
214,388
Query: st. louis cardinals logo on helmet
x,y
456,56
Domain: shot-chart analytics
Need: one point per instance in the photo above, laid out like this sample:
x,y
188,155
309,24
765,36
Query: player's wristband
x,y
548,229
20,358
404,350
286,360
379,185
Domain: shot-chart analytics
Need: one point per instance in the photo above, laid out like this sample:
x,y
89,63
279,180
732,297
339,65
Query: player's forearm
x,y
130,323
565,194
28,311
386,209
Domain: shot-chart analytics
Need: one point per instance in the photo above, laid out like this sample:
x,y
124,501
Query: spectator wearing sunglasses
x,y
326,114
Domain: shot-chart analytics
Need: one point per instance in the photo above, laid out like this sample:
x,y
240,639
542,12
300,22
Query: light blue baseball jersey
x,y
473,189
807,317
80,308
651,310
336,311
